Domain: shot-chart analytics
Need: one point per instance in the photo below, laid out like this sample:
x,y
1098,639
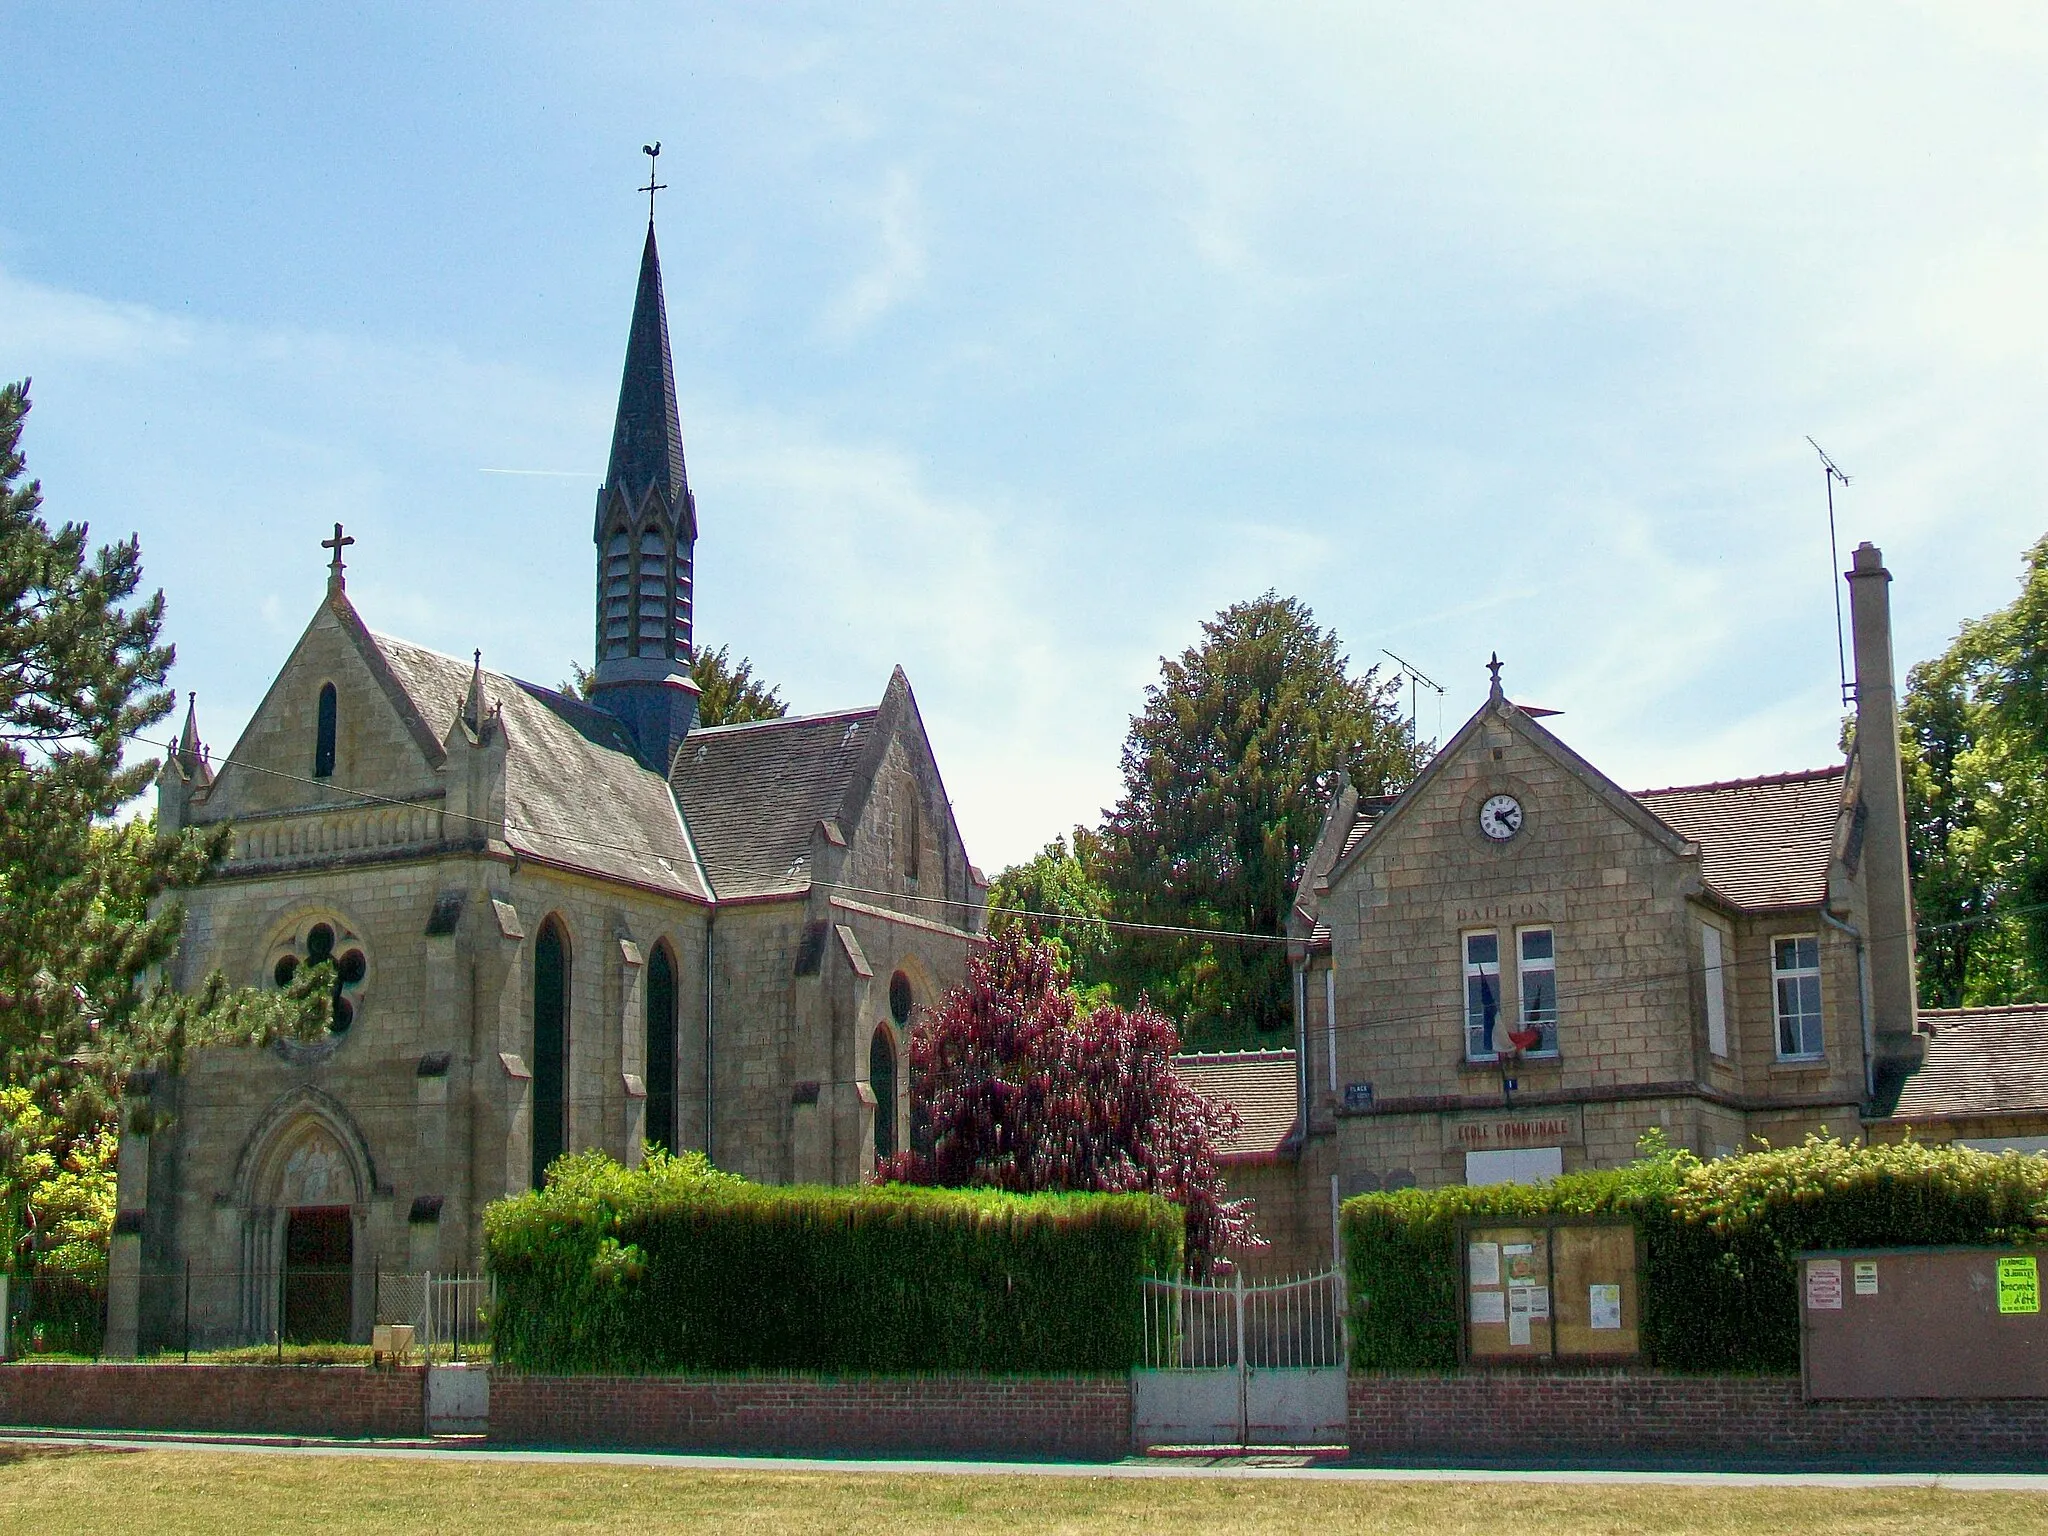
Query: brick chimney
x,y
1888,922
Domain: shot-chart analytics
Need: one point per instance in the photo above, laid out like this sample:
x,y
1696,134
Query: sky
x,y
1013,342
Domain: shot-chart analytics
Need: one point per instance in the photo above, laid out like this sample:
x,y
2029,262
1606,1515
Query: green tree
x,y
728,693
1975,746
1227,773
1066,884
83,925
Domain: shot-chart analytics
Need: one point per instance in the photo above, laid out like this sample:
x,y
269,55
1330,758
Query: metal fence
x,y
185,1309
56,1315
1256,1325
450,1311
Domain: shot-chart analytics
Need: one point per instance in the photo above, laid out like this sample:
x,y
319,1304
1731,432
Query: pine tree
x,y
82,928
1227,773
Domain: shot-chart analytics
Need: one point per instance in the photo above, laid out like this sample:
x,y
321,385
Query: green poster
x,y
2019,1285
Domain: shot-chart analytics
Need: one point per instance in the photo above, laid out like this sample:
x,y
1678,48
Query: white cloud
x,y
898,222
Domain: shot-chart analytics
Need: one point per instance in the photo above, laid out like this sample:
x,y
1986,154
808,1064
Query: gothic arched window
x,y
323,733
913,832
661,1050
616,638
651,637
550,1046
882,1078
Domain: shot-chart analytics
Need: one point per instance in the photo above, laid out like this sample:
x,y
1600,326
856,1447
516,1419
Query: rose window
x,y
330,942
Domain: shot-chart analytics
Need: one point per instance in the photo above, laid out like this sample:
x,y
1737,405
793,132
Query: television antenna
x,y
1830,474
1416,675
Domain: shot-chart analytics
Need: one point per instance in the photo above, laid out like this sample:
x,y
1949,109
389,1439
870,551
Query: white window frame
x,y
1524,969
1811,1049
1714,972
1468,972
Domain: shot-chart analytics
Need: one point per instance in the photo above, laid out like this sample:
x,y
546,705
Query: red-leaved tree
x,y
1016,1088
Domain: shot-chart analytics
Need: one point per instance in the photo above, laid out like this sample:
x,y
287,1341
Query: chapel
x,y
556,923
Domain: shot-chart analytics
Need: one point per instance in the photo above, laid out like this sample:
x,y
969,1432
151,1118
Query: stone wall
x,y
1069,1417
248,1399
1290,1210
1602,1417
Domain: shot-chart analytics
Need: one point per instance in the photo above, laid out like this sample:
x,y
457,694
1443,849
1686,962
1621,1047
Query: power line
x,y
1163,930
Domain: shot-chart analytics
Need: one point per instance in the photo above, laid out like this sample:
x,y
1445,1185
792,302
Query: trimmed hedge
x,y
1718,1241
677,1267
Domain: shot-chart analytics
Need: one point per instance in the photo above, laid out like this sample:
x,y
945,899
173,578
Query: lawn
x,y
136,1493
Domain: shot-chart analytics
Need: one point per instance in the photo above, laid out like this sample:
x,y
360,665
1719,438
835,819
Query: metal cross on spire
x,y
652,152
335,581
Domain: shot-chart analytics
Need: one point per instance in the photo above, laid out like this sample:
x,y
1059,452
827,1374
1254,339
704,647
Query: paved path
x,y
1255,1466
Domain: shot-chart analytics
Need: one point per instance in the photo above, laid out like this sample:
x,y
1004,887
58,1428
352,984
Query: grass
x,y
50,1491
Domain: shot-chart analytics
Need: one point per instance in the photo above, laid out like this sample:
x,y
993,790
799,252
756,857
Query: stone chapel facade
x,y
556,924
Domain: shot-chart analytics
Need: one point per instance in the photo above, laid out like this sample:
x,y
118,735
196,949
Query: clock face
x,y
1501,817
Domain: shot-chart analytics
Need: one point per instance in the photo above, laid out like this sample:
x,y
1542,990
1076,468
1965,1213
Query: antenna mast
x,y
1415,675
1830,474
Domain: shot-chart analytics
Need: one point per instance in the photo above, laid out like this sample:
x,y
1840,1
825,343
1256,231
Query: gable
x,y
383,745
1501,750
898,818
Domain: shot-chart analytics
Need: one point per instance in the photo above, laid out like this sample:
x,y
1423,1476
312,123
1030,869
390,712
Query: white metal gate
x,y
1242,1362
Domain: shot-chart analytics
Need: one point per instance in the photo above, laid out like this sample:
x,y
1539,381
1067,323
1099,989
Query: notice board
x,y
1550,1290
1923,1322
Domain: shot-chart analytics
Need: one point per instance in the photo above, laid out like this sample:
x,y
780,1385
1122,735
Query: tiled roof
x,y
754,794
1370,809
1980,1061
1764,842
1260,1086
574,793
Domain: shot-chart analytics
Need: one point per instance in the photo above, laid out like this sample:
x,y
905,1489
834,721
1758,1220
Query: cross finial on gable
x,y
336,582
1493,666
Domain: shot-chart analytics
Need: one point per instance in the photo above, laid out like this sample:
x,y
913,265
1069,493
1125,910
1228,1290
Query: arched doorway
x,y
661,1050
319,1275
882,1078
311,1194
550,1042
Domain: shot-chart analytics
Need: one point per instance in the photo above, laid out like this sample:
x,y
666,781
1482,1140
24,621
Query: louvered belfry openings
x,y
646,528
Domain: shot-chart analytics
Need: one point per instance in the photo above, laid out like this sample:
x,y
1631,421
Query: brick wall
x,y
1070,1417
1531,1418
257,1399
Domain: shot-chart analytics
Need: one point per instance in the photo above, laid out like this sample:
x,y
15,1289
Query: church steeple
x,y
647,433
646,535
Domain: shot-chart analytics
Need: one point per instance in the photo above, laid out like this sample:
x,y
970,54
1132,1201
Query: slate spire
x,y
646,535
647,433
192,755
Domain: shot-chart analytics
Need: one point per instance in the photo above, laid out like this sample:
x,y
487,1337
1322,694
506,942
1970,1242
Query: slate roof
x,y
1764,842
755,793
574,793
1370,809
1980,1061
1260,1086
